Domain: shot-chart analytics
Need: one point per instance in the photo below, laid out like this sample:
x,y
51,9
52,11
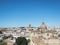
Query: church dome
x,y
43,26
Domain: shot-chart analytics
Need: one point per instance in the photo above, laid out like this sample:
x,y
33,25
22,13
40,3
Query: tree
x,y
2,42
0,32
21,41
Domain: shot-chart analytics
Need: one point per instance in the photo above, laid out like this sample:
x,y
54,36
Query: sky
x,y
18,13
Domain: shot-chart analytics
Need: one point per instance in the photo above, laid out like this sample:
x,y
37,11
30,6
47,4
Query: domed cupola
x,y
43,26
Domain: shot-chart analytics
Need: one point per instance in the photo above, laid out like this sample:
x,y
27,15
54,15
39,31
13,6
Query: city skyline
x,y
17,13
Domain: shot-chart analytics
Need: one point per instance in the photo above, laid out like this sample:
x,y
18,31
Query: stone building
x,y
38,35
44,36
